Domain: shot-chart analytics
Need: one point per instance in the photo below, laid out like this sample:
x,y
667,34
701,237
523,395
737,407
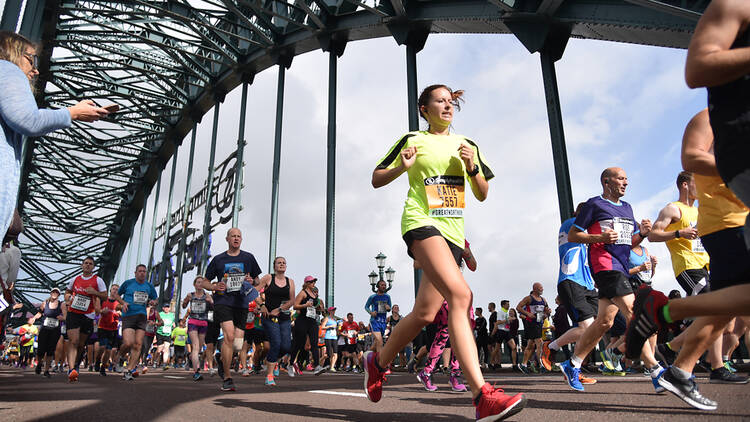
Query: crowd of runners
x,y
239,322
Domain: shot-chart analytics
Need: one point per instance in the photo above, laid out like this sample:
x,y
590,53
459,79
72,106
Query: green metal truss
x,y
168,62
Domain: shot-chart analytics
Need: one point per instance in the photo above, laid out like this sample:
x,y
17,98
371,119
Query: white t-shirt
x,y
502,315
100,286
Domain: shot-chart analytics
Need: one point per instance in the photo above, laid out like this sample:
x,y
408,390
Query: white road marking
x,y
338,393
173,377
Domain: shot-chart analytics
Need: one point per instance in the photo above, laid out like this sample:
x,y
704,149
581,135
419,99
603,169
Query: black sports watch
x,y
473,172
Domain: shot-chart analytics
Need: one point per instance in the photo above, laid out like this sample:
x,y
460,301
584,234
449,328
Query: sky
x,y
622,105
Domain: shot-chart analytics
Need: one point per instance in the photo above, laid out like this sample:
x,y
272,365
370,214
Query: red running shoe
x,y
374,377
495,405
546,353
72,376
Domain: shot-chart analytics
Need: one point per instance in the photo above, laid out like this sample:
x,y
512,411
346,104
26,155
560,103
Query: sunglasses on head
x,y
33,60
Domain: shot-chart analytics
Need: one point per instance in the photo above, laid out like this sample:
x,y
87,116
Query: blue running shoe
x,y
571,375
657,387
276,371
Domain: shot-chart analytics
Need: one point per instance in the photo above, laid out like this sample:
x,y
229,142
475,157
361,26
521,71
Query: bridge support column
x,y
183,224
210,187
413,35
550,38
163,272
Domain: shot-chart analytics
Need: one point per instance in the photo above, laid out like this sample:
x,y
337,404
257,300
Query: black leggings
x,y
305,328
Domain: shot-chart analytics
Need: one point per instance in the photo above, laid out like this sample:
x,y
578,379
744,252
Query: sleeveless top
x,y
275,295
394,321
729,112
636,260
49,316
686,254
309,313
330,327
719,208
199,308
536,307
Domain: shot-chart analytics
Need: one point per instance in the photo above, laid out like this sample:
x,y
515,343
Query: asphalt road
x,y
173,396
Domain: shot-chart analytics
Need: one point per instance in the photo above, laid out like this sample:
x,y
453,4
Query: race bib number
x,y
150,327
310,312
381,307
81,303
698,246
140,298
250,318
445,196
63,330
234,282
210,316
167,329
645,276
51,322
539,317
624,228
181,338
198,306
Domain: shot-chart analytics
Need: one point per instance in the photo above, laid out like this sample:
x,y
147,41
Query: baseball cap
x,y
310,278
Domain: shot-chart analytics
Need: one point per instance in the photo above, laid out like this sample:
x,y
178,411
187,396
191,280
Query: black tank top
x,y
729,112
275,294
303,312
52,314
395,321
199,308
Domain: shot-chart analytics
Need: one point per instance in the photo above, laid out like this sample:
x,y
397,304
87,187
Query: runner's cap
x,y
310,278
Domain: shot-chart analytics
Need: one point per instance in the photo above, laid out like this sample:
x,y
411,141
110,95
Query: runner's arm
x,y
667,216
697,141
710,59
577,235
525,301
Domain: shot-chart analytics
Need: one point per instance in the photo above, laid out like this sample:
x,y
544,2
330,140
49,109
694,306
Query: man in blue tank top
x,y
378,305
575,287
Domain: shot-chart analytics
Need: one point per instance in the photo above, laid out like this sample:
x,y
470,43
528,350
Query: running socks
x,y
576,361
681,373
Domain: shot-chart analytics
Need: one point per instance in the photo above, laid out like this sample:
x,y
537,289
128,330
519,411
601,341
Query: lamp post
x,y
375,278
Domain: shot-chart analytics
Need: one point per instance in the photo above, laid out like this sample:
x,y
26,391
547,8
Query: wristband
x,y
473,172
676,234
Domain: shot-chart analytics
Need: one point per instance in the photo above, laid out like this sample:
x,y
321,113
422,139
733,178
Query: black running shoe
x,y
667,355
723,376
227,385
38,369
47,374
645,322
686,389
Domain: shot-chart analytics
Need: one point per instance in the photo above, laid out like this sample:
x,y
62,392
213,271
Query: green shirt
x,y
166,329
179,335
437,182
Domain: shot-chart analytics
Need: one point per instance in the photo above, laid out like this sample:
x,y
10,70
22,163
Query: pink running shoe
x,y
426,380
374,377
495,405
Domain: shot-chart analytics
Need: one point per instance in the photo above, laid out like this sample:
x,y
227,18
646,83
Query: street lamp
x,y
375,278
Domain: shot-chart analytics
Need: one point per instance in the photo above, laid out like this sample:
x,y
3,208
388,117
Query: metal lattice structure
x,y
166,63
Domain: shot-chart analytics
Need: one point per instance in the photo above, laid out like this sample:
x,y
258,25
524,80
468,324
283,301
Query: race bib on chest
x,y
624,228
234,282
167,329
140,298
150,327
181,338
381,308
310,312
51,322
698,246
445,196
198,306
250,318
81,303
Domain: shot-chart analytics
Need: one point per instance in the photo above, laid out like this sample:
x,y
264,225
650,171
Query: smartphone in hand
x,y
112,108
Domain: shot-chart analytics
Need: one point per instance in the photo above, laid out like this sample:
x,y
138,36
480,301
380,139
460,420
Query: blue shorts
x,y
378,326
